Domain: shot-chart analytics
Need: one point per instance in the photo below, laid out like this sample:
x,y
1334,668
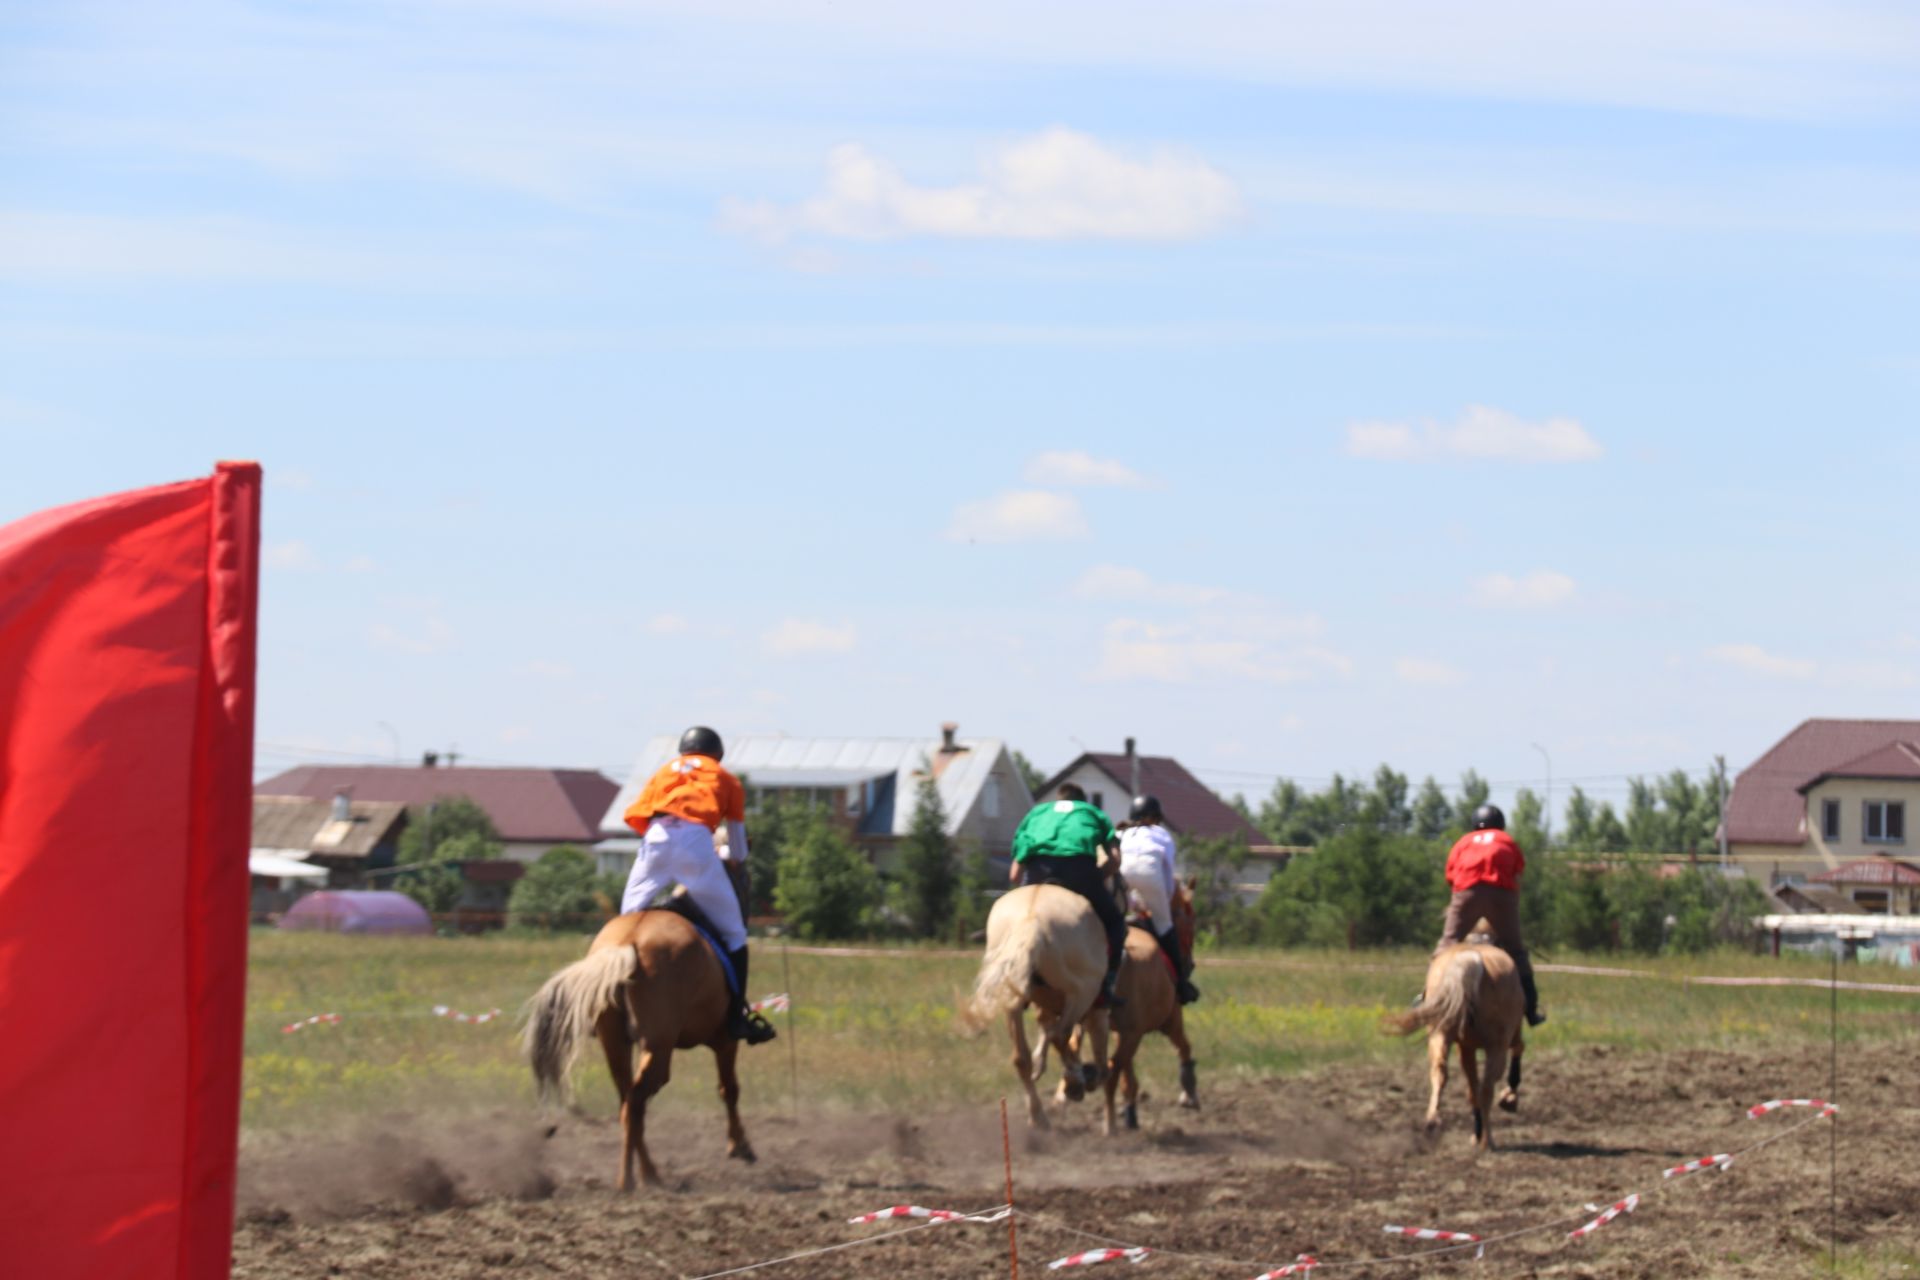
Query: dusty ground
x,y
1268,1169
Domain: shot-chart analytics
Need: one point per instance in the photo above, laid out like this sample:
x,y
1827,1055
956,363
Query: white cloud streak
x,y
1112,582
1427,671
1020,515
1481,433
1080,468
1055,185
1753,658
792,637
1541,589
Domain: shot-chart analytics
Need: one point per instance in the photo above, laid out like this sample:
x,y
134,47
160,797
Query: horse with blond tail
x,y
649,984
1046,950
1473,1000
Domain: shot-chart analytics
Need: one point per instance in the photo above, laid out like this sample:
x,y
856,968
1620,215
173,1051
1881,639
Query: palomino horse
x,y
1473,999
1046,949
649,982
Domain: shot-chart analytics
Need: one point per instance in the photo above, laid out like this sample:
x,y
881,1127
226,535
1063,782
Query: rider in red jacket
x,y
1483,870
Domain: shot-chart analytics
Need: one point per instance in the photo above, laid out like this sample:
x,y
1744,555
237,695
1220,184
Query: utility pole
x,y
1720,785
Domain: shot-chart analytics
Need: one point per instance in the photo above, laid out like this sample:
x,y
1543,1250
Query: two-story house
x,y
1829,793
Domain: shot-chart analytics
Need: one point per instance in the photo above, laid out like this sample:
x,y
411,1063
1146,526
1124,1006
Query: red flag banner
x,y
127,629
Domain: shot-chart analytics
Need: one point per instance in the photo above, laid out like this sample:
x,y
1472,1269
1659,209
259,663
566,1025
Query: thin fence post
x,y
793,1050
1006,1149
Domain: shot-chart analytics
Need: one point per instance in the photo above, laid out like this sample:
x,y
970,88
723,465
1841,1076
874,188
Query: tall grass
x,y
881,1030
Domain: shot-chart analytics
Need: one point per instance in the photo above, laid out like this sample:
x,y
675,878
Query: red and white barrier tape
x,y
442,1011
773,1004
1092,1256
909,1211
1619,1207
1826,1108
308,1022
1299,1266
1694,1166
1430,1233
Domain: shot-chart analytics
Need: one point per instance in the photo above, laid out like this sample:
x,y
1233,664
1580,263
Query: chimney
x,y
1133,769
428,759
947,731
342,807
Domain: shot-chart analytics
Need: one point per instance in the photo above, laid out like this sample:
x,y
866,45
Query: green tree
x,y
438,838
1647,828
1029,774
1213,864
561,891
1609,833
1473,794
927,876
1383,890
981,880
1281,817
827,888
1577,834
1387,803
1432,813
1526,822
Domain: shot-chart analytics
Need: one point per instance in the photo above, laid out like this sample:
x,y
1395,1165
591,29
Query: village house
x,y
864,785
300,844
1192,810
1825,811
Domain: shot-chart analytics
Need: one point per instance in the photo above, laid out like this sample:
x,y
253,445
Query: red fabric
x,y
127,629
1485,857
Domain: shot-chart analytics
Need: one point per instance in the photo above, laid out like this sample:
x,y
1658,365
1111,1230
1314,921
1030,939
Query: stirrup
x,y
1186,992
1110,990
1535,1017
750,1027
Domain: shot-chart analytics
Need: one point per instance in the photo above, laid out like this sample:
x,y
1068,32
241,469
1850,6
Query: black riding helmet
x,y
1489,818
1145,809
701,741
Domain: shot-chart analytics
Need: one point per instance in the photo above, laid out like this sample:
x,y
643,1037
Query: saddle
x,y
1145,925
681,904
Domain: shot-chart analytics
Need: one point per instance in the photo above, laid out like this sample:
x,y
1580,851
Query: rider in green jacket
x,y
1059,842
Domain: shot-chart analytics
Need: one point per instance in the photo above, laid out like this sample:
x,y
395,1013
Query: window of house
x,y
1099,800
1884,821
1830,819
990,798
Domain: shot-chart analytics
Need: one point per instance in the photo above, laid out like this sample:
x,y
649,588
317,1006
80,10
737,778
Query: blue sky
x,y
1292,387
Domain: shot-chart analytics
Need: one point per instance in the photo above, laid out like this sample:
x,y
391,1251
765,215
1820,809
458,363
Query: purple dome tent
x,y
358,911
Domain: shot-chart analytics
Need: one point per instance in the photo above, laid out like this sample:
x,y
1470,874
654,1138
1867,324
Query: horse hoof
x,y
1133,1118
743,1152
1510,1103
1188,1102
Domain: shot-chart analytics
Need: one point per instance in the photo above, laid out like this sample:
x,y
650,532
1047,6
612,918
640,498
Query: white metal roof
x,y
779,761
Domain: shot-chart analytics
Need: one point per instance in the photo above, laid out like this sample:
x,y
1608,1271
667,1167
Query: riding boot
x,y
1110,985
742,1022
1523,964
1182,967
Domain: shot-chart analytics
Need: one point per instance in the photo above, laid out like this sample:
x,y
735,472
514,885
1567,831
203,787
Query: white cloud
x,y
1078,467
1481,433
1540,589
792,636
1020,515
665,624
1751,657
1115,582
550,670
428,633
292,557
361,564
1427,671
1055,185
1132,649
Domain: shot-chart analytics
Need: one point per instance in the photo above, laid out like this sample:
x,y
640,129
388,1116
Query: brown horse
x,y
1046,950
649,982
1473,1000
1146,985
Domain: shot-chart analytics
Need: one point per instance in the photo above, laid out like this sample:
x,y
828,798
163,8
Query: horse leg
x,y
1023,1067
1510,1100
726,1054
1470,1070
655,1070
611,1027
1073,1085
1436,1075
1496,1066
1122,1065
1189,1081
1096,1069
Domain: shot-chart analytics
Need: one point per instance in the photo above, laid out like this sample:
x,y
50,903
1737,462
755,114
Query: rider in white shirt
x,y
1147,860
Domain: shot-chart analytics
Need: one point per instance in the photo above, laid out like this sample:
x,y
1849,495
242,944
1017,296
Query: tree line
x,y
1374,876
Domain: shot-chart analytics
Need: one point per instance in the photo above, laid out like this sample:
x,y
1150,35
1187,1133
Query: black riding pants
x,y
1083,877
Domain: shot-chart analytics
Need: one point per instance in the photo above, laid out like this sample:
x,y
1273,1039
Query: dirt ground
x,y
1267,1170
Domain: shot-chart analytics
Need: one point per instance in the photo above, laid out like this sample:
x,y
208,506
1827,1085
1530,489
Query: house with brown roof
x,y
1192,810
1831,792
300,843
533,809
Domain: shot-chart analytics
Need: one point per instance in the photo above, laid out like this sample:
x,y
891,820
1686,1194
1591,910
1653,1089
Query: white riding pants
x,y
678,852
1147,878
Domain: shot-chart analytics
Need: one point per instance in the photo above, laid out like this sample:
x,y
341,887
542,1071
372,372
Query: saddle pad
x,y
1172,973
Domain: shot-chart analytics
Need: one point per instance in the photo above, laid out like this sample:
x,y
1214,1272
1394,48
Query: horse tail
x,y
561,1015
1005,972
1451,1008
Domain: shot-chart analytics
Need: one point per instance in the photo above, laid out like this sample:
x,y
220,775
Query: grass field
x,y
881,1029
